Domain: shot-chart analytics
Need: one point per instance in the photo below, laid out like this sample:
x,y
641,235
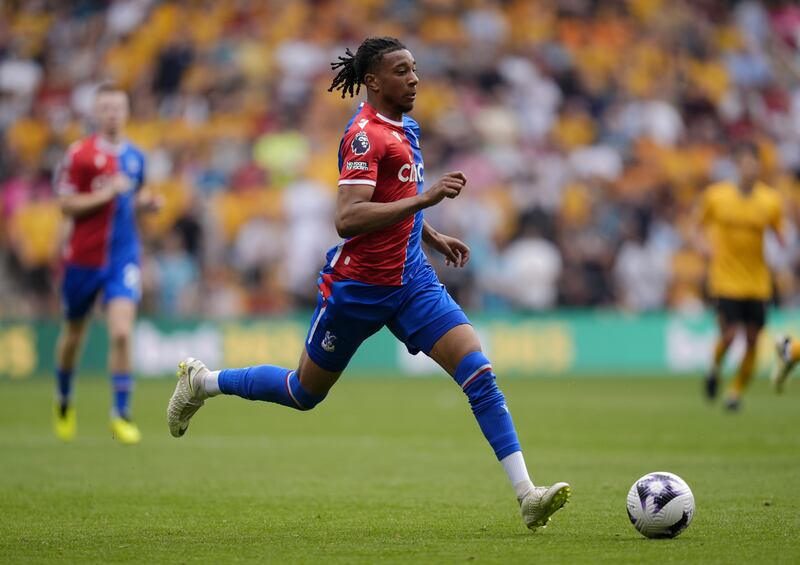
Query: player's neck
x,y
385,110
746,187
113,138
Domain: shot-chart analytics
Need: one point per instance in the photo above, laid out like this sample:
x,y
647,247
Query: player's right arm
x,y
357,214
703,216
85,203
74,197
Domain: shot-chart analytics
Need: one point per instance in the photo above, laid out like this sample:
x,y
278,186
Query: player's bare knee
x,y
120,338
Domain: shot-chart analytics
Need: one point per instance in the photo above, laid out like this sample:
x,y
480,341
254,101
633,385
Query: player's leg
x,y
459,353
755,319
70,340
431,321
726,320
338,327
78,292
787,350
121,296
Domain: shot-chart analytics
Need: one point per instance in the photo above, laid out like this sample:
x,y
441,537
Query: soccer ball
x,y
660,505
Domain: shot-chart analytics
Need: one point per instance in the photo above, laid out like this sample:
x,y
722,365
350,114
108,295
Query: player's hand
x,y
455,251
120,184
449,186
149,202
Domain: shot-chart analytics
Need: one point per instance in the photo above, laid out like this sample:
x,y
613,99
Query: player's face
x,y
111,111
747,164
397,79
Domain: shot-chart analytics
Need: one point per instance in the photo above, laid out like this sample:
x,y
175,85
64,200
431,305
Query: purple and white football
x,y
660,505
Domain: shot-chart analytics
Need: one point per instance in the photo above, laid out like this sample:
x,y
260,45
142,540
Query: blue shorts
x,y
81,286
348,312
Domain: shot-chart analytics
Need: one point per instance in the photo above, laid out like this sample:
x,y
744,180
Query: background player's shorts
x,y
748,312
81,286
418,314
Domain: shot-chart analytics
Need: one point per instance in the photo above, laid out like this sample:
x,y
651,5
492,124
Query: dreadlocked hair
x,y
353,66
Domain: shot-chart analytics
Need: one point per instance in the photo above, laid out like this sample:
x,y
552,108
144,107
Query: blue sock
x,y
64,387
270,384
474,375
121,385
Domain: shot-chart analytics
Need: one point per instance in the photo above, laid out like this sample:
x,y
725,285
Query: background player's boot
x,y
65,423
540,503
189,395
125,431
783,364
711,384
733,404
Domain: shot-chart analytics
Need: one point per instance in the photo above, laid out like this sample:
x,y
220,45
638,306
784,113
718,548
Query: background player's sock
x,y
745,373
270,384
517,472
64,389
121,384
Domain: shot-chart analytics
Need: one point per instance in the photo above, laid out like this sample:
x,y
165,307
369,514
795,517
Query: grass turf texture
x,y
395,471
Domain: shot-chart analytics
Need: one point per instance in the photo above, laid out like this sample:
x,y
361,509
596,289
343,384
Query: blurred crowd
x,y
587,130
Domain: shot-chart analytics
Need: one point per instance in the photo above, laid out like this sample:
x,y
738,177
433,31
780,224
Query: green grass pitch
x,y
395,470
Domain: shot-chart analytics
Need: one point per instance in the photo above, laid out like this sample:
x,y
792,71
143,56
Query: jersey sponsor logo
x,y
362,123
360,143
329,342
357,166
410,172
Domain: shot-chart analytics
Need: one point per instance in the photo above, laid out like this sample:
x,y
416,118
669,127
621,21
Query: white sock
x,y
514,465
211,383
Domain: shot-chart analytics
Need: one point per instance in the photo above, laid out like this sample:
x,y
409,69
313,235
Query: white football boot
x,y
540,503
189,395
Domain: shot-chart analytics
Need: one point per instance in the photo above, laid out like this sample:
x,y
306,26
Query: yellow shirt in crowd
x,y
735,223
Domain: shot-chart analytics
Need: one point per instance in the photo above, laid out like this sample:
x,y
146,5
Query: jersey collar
x,y
380,116
106,146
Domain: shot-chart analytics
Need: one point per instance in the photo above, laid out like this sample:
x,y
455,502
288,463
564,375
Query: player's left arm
x,y
147,201
455,251
777,223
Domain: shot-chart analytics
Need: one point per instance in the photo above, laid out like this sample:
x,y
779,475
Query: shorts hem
x,y
333,368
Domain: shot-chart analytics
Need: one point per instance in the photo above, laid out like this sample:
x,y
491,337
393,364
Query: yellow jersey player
x,y
734,217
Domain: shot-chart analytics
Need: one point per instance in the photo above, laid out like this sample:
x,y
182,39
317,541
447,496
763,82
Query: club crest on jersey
x,y
360,143
329,342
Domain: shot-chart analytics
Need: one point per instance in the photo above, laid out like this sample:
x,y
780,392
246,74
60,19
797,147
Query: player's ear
x,y
371,82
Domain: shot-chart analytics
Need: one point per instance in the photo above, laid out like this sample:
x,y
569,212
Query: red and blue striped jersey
x,y
383,153
109,233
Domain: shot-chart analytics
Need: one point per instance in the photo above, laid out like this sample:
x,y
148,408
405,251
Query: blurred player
x,y
735,216
379,276
98,186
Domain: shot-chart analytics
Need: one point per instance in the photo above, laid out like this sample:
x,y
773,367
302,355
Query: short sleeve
x,y
359,156
65,178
